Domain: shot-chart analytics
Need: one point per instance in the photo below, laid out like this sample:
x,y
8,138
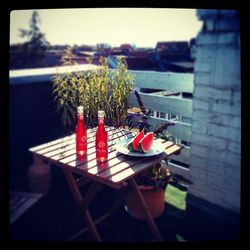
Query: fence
x,y
169,95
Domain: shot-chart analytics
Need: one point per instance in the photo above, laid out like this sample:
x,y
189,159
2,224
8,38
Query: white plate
x,y
156,148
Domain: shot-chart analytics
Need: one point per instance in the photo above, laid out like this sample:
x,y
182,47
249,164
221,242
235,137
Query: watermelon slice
x,y
146,142
133,145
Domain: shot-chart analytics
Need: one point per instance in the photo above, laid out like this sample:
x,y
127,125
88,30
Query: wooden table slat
x,y
168,144
137,168
59,150
65,139
70,160
118,167
173,149
125,173
62,144
45,145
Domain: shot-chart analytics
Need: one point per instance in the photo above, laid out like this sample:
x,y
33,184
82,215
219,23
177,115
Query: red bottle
x,y
101,139
81,134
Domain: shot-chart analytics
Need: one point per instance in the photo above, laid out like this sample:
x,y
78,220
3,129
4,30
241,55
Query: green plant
x,y
99,88
159,176
141,120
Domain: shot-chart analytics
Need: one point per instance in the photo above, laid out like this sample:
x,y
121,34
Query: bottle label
x,y
101,144
101,147
83,138
101,151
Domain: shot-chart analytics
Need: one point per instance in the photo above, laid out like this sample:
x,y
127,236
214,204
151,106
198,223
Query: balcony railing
x,y
177,108
167,106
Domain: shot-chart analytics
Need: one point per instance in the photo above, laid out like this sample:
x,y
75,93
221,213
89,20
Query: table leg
x,y
81,204
149,217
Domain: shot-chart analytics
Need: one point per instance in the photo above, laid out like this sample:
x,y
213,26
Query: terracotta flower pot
x,y
39,178
154,200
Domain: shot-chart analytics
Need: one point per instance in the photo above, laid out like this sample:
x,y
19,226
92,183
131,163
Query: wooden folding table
x,y
118,172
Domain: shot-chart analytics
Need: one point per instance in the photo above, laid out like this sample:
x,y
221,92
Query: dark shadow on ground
x,y
55,218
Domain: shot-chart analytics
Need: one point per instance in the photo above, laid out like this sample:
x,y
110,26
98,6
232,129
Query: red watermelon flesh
x,y
146,142
137,138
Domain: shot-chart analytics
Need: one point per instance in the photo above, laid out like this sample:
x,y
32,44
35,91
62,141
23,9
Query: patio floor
x,y
55,218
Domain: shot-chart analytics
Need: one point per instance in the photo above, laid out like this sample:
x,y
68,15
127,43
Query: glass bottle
x,y
81,134
101,139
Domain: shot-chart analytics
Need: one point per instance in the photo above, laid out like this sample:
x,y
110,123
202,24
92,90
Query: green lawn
x,y
175,200
176,197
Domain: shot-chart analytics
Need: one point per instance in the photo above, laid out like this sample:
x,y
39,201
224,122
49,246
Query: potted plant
x,y
154,181
152,185
96,89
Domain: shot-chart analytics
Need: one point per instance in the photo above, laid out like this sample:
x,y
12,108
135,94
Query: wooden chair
x,y
20,203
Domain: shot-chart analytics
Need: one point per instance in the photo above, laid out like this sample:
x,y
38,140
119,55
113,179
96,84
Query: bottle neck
x,y
80,118
101,122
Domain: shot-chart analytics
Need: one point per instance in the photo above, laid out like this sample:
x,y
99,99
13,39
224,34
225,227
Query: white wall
x,y
215,163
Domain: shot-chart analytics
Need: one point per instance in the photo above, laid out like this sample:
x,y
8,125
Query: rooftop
x,y
178,223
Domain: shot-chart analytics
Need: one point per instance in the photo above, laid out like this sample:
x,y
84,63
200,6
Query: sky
x,y
142,27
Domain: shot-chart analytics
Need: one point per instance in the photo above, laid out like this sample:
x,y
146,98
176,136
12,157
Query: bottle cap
x,y
101,113
80,109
